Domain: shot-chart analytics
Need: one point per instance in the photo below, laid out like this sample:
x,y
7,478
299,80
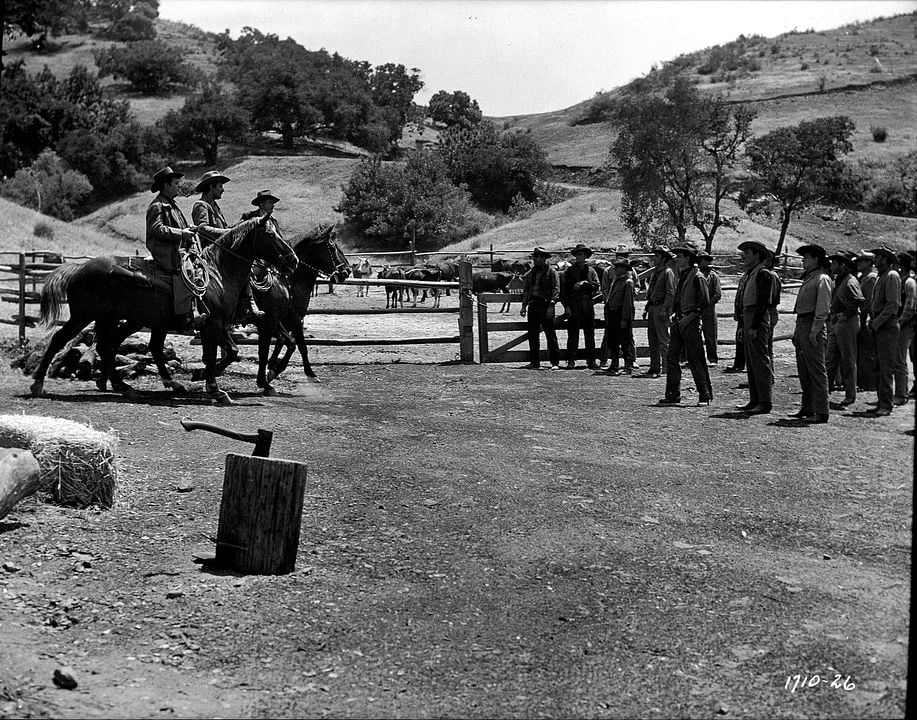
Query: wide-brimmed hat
x,y
865,255
905,258
704,255
622,249
162,177
208,178
844,257
755,246
581,248
540,251
813,250
887,252
662,250
685,249
264,195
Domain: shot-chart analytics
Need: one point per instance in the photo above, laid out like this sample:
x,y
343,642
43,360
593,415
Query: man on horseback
x,y
211,224
167,232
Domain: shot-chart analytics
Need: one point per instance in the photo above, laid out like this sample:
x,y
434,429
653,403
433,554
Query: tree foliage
x,y
677,152
204,122
494,166
455,108
298,92
151,66
799,165
37,19
395,202
48,186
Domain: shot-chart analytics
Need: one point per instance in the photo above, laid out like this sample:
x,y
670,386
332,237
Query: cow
x,y
494,282
520,267
394,294
423,273
362,269
448,271
515,287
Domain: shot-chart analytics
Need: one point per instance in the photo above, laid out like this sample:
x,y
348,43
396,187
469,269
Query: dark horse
x,y
122,301
286,302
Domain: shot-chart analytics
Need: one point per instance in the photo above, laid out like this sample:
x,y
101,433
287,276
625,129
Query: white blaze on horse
x,y
362,269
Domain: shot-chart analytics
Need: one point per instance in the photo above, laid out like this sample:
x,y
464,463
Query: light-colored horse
x,y
362,269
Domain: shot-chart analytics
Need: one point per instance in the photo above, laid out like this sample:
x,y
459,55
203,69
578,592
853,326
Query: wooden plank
x,y
354,342
401,283
383,311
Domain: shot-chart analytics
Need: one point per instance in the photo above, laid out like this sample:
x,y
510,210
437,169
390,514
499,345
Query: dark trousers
x,y
709,329
690,341
810,364
841,353
758,363
541,317
739,362
657,335
584,319
617,339
866,357
886,346
905,335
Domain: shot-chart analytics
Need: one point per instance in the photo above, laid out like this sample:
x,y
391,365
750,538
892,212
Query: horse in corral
x,y
285,303
362,269
394,294
125,295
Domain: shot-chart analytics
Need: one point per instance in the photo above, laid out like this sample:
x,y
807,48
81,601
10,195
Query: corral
x,y
477,541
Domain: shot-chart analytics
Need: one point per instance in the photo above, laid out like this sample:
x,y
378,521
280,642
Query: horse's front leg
x,y
265,337
108,339
300,338
229,351
157,350
210,340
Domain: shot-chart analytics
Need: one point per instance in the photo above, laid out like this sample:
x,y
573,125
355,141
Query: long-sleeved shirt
x,y
164,225
814,297
867,285
618,293
909,298
847,297
756,294
542,283
886,297
661,288
578,273
209,219
713,282
692,294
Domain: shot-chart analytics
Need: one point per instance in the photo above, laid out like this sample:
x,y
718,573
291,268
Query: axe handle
x,y
261,439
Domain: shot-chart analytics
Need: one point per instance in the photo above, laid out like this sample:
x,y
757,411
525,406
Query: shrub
x,y
43,230
151,66
48,185
804,66
873,50
879,133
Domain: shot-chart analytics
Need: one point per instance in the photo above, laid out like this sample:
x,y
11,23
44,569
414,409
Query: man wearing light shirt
x,y
883,321
812,306
866,343
844,325
905,325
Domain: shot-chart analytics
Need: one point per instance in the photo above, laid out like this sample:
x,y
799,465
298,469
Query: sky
x,y
519,57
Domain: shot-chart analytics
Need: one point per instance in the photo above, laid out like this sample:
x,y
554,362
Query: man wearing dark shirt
x,y
755,299
540,290
580,284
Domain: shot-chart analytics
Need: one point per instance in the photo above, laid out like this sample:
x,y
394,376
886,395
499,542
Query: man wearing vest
x,y
866,343
883,321
844,325
167,231
618,291
580,284
540,291
755,298
708,319
660,297
906,326
692,296
813,303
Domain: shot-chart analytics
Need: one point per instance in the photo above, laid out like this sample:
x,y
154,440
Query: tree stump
x,y
19,477
260,514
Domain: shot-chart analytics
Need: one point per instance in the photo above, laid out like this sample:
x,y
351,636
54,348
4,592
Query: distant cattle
x,y
490,281
423,273
362,269
520,267
394,294
515,287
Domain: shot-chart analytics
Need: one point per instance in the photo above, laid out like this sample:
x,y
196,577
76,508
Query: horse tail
x,y
54,294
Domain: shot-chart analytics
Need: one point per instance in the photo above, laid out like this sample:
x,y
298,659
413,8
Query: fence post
x,y
491,255
21,298
466,314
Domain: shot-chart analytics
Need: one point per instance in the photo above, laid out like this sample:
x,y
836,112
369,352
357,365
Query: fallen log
x,y
20,476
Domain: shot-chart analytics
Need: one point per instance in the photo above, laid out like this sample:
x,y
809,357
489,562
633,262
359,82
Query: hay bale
x,y
78,464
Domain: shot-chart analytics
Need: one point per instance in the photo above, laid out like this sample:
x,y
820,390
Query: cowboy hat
x,y
865,256
844,257
540,251
162,177
581,248
755,246
212,176
662,250
685,249
886,252
704,255
264,195
813,250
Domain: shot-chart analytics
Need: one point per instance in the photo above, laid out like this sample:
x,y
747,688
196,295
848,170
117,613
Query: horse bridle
x,y
289,256
338,266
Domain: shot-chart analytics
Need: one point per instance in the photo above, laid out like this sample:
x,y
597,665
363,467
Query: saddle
x,y
145,274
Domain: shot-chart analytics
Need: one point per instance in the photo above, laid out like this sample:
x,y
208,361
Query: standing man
x,y
540,290
692,296
166,232
866,343
708,319
581,283
659,300
883,321
812,306
772,306
754,299
844,325
906,326
618,291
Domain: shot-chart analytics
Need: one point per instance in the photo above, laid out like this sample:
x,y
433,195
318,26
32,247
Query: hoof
x,y
269,391
271,375
312,379
197,375
178,387
221,397
102,384
129,393
37,389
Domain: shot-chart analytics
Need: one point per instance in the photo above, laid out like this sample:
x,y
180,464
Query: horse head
x,y
319,251
273,248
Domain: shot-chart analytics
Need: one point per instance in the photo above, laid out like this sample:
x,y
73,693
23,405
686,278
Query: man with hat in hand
x,y
166,232
905,325
579,286
883,322
540,290
708,319
660,297
754,297
618,291
866,343
692,296
813,303
844,325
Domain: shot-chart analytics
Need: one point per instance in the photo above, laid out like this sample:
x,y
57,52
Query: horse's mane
x,y
316,233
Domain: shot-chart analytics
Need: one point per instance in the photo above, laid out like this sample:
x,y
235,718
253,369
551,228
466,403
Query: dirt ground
x,y
477,541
